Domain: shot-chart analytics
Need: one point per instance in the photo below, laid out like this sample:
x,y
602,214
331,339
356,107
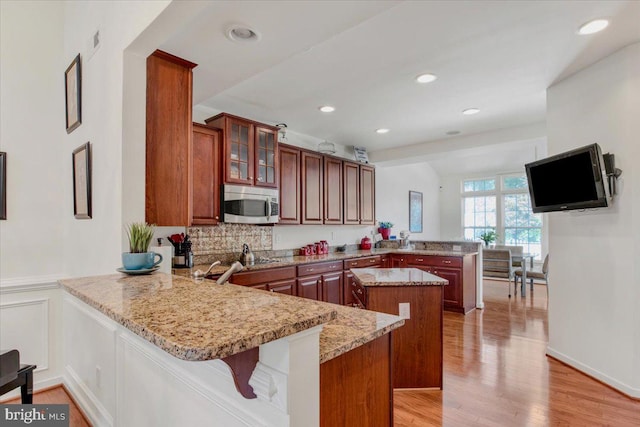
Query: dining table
x,y
522,258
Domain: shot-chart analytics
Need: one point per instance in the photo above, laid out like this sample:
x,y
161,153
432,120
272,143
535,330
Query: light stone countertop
x,y
334,256
396,277
199,320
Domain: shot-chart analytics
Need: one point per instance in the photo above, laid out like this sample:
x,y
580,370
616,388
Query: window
x,y
506,210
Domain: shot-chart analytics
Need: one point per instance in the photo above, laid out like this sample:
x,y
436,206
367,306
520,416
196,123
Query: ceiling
x,y
363,57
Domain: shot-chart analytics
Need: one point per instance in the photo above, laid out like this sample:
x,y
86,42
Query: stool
x,y
24,381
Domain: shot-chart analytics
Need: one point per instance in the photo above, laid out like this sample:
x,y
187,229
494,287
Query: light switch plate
x,y
404,310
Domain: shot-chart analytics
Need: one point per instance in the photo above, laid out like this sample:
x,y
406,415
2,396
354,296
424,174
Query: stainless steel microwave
x,y
250,205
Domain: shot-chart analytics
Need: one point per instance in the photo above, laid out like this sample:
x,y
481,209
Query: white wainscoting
x,y
30,323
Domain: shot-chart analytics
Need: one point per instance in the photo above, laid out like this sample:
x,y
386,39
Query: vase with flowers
x,y
384,228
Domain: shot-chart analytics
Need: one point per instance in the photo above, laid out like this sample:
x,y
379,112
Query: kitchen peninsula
x,y
151,349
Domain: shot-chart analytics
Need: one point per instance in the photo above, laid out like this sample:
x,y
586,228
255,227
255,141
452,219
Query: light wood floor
x,y
496,374
59,395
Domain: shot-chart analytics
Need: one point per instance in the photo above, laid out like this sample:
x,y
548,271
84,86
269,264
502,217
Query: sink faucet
x,y
235,267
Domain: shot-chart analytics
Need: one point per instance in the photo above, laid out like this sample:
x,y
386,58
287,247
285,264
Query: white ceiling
x,y
362,57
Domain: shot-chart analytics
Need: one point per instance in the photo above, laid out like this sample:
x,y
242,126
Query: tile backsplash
x,y
213,242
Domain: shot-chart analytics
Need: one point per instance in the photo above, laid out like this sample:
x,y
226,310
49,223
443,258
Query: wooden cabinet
x,y
309,287
332,287
321,281
279,279
460,271
333,190
367,195
206,175
249,150
283,287
289,158
353,294
312,188
169,141
351,189
397,261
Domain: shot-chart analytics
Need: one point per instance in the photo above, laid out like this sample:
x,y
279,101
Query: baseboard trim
x,y
75,402
612,383
84,399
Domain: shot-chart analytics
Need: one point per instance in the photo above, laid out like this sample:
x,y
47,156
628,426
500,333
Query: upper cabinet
x,y
249,151
206,175
321,189
169,141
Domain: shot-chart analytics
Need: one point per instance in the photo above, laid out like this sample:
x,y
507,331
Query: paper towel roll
x,y
167,253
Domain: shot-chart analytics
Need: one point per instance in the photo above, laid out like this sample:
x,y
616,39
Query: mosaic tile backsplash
x,y
223,239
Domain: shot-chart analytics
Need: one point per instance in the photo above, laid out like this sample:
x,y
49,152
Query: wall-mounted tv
x,y
567,181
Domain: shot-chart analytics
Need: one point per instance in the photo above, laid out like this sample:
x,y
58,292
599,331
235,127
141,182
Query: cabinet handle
x,y
435,271
270,290
217,217
333,266
420,259
310,269
446,261
372,260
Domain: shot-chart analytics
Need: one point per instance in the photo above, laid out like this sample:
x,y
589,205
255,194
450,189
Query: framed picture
x,y
3,185
82,181
72,94
361,154
415,212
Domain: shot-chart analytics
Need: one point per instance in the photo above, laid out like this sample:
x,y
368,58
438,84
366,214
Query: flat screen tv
x,y
568,181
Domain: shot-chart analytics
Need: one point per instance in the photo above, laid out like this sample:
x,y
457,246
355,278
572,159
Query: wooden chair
x,y
536,274
498,263
515,251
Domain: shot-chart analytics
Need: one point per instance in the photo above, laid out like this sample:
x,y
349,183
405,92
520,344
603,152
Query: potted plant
x,y
139,257
384,228
488,237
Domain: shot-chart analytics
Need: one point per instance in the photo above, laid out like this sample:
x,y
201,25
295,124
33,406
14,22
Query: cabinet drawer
x,y
359,294
444,261
319,268
370,261
249,278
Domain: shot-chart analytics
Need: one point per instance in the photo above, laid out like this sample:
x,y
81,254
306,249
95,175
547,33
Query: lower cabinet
x,y
283,287
309,287
332,285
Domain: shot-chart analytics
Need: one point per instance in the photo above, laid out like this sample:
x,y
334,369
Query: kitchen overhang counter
x,y
368,277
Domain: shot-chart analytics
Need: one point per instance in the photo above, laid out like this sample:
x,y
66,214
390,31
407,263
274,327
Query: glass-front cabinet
x,y
250,151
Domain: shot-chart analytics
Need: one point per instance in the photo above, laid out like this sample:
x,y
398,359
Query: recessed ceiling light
x,y
470,111
382,130
426,78
453,132
238,33
592,27
327,109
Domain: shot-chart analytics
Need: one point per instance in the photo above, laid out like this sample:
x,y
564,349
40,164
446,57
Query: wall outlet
x,y
333,235
94,42
278,238
404,310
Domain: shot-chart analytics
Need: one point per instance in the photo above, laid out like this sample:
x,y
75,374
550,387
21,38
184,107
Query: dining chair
x,y
515,252
498,263
536,274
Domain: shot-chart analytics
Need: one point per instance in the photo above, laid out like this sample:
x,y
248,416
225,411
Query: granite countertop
x,y
396,277
198,320
334,256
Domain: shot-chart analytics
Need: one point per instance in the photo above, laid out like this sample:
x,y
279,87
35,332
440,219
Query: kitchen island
x,y
417,296
149,350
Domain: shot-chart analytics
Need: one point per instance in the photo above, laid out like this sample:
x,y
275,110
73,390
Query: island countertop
x,y
199,320
396,277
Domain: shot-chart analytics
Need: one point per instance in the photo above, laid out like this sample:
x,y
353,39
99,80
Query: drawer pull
x,y
446,261
420,259
310,269
333,266
372,260
271,290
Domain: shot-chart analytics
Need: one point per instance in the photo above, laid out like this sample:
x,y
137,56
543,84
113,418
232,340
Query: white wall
x,y
393,184
594,321
32,132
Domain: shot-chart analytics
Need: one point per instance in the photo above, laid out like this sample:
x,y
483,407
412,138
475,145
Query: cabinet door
x,y
261,287
351,183
367,195
283,287
332,191
312,188
332,288
348,286
309,287
452,292
206,175
266,159
398,261
239,147
289,185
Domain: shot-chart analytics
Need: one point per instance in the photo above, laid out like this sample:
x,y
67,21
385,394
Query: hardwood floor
x,y
496,374
59,395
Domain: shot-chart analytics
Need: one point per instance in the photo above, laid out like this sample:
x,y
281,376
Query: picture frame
x,y
81,159
73,94
415,211
360,154
3,185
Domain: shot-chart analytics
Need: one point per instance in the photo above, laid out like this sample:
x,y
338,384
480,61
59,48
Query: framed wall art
x,y
3,185
82,182
415,212
73,95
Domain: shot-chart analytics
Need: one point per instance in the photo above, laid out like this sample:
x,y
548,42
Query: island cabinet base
x,y
417,346
355,388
